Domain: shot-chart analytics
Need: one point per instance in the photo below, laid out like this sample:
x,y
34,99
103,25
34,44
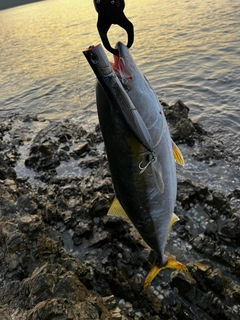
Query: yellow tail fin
x,y
171,263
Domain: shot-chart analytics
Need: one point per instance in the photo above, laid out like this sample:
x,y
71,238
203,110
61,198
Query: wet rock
x,y
7,200
62,257
181,127
80,148
6,172
184,128
216,280
219,201
189,192
175,112
210,149
47,152
186,285
236,193
43,155
26,204
81,231
231,229
211,304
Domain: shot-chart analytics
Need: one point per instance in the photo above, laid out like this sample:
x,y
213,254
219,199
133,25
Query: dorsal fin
x,y
177,154
117,210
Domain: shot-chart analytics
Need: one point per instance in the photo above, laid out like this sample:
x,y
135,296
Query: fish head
x,y
125,67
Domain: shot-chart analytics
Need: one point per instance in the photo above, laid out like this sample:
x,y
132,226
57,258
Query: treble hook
x,y
111,12
151,159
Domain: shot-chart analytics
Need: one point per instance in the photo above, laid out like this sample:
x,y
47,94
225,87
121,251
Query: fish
x,y
140,152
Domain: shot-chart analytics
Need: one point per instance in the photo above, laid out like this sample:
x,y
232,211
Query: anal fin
x,y
117,210
173,220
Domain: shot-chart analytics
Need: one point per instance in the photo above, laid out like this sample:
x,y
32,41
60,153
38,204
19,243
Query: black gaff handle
x,y
111,12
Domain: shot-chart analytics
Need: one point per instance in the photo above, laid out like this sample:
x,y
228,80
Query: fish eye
x,y
94,58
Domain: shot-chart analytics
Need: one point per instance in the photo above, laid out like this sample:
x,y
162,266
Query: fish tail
x,y
171,263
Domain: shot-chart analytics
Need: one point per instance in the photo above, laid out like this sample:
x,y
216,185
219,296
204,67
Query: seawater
x,y
188,50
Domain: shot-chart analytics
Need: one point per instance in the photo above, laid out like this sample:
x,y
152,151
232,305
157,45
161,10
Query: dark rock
x,y
211,304
82,230
236,193
6,172
80,148
182,128
189,192
62,257
210,149
231,229
175,112
185,284
27,205
216,280
100,205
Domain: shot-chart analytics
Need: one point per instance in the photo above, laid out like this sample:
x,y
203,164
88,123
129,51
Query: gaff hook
x,y
111,12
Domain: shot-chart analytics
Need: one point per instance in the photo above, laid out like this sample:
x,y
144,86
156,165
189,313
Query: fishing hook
x,y
151,160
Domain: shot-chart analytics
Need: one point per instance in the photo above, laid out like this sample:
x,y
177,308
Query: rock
x,y
80,148
236,193
189,192
81,231
231,229
6,172
216,280
181,127
211,304
186,285
26,204
184,128
62,257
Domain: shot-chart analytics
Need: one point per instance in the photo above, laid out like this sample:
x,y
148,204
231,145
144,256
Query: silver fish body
x,y
161,204
135,155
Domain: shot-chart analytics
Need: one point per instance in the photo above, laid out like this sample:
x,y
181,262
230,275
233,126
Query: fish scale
x,y
144,176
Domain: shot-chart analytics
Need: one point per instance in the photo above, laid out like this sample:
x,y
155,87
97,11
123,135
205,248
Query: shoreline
x,y
62,255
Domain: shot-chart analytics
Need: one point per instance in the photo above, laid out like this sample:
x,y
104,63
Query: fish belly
x,y
161,203
124,154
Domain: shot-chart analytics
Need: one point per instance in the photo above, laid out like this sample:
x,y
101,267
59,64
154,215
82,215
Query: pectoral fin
x,y
117,210
157,173
177,154
171,263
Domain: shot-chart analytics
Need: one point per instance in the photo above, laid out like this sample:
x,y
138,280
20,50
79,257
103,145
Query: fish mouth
x,y
124,55
122,50
123,64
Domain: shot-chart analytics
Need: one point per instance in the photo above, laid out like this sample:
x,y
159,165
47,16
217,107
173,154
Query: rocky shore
x,y
62,257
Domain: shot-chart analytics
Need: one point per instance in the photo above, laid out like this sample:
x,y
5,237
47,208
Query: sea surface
x,y
188,50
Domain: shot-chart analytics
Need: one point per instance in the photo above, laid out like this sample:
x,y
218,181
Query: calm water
x,y
187,49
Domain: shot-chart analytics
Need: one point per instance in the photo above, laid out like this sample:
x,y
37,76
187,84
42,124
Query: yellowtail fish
x,y
139,149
